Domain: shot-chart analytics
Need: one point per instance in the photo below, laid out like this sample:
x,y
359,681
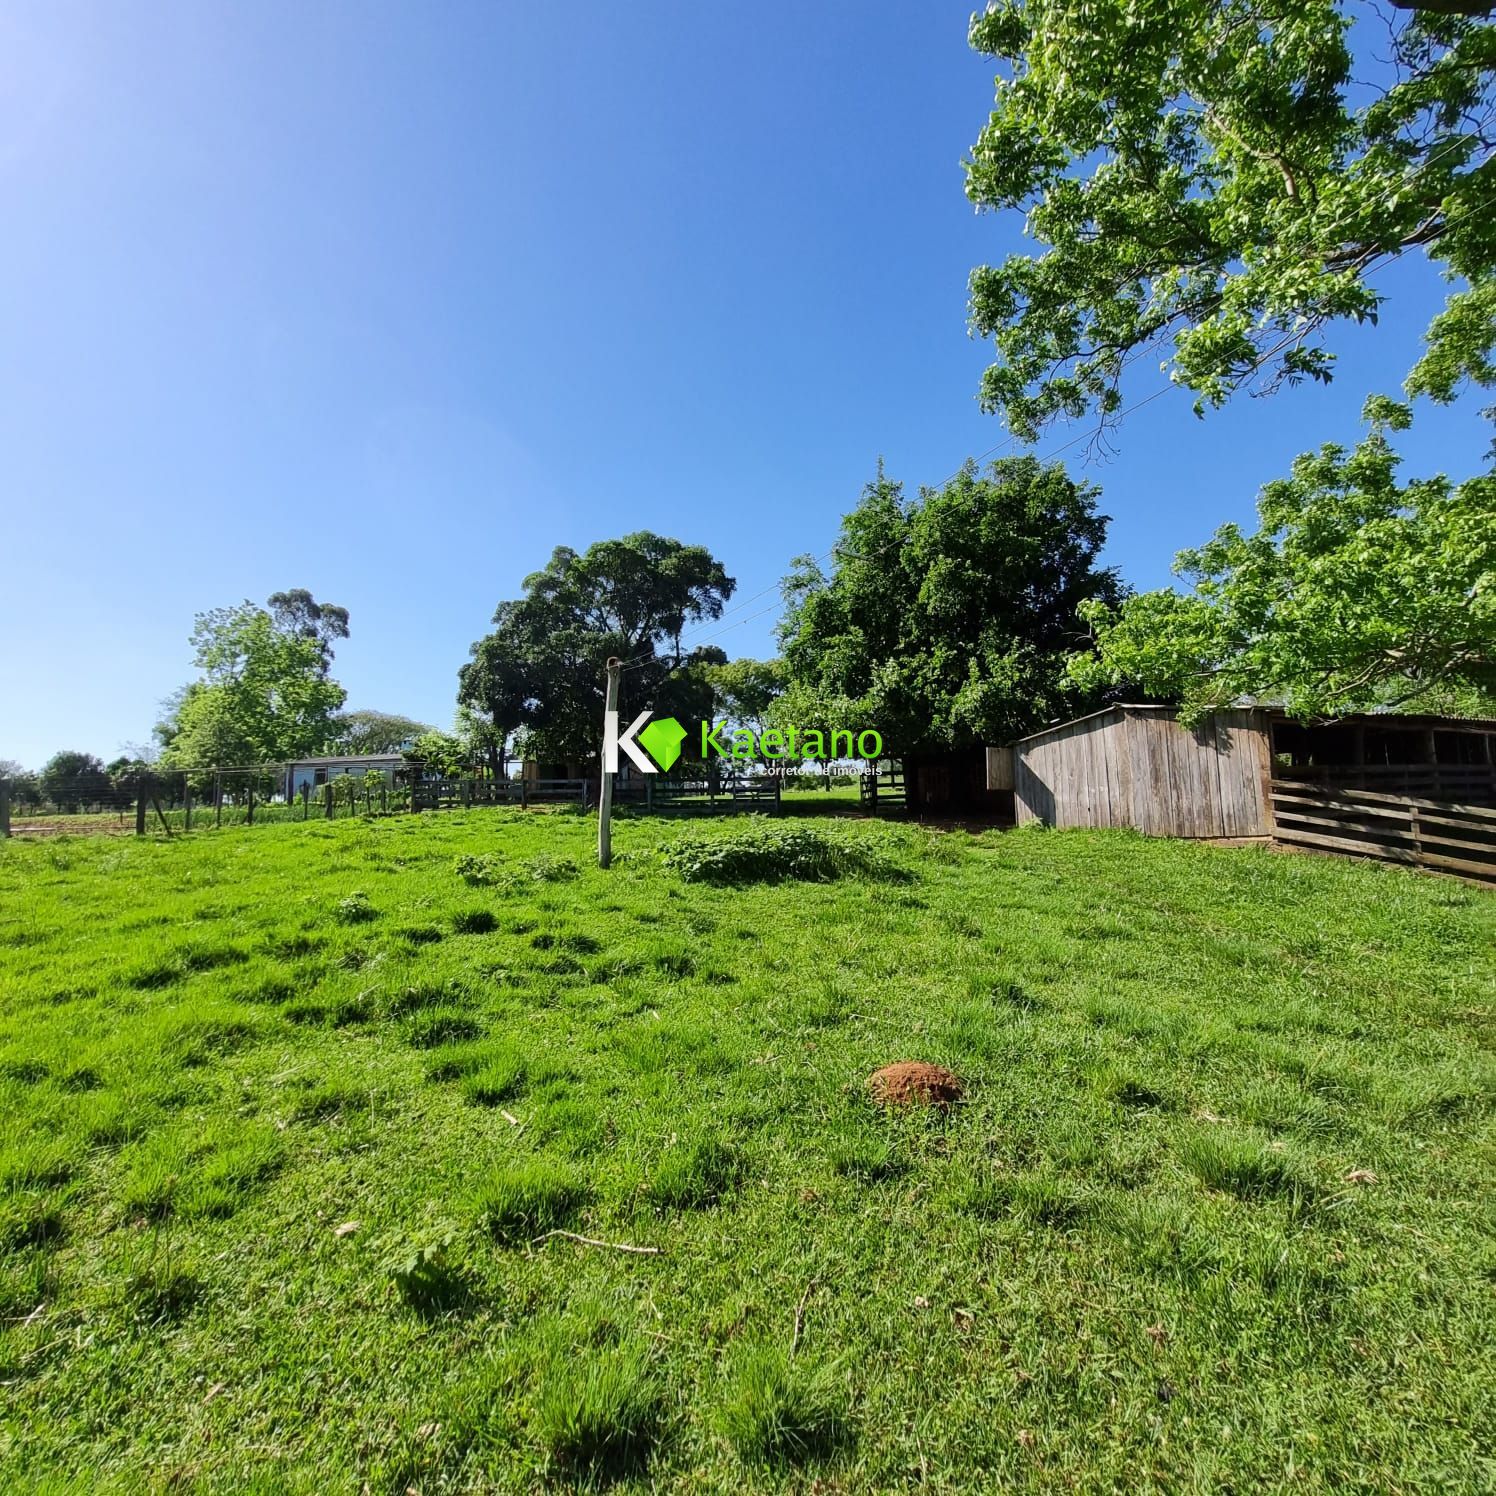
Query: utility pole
x,y
605,797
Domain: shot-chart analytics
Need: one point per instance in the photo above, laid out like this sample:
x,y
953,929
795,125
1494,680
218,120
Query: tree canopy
x,y
1355,592
542,666
947,621
367,731
72,778
264,694
745,690
1226,176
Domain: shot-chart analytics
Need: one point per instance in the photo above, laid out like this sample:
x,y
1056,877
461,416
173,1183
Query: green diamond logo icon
x,y
661,740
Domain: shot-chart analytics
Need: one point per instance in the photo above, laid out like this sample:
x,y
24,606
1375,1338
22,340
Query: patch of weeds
x,y
270,990
1243,1165
419,997
161,1292
35,1162
759,850
436,1026
474,922
599,1413
287,947
526,1199
26,1072
548,867
501,1078
581,945
480,869
356,909
330,1099
418,935
426,1277
29,1220
695,1173
776,1411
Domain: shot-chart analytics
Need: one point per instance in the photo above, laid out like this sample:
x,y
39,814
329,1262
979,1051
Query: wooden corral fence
x,y
451,794
1443,835
729,792
883,787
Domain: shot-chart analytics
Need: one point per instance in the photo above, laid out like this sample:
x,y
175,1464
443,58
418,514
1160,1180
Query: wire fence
x,y
172,801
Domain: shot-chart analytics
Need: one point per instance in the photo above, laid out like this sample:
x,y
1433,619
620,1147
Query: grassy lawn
x,y
289,1111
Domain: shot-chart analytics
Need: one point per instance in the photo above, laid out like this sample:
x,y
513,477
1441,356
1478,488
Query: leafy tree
x,y
375,732
948,621
1355,592
542,668
25,786
499,686
440,752
71,779
747,689
264,695
298,612
1219,174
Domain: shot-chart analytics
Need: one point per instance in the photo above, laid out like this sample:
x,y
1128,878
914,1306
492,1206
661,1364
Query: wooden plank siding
x,y
1135,766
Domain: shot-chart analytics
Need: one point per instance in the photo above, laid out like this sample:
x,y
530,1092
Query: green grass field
x,y
288,1113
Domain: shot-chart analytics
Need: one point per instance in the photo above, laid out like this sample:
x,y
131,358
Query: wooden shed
x,y
1249,771
1136,766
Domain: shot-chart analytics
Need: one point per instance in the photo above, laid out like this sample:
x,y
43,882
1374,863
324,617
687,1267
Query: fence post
x,y
186,804
249,818
1417,834
327,799
140,800
4,807
306,795
217,799
384,797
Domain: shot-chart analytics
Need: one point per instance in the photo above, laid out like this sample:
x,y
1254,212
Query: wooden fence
x,y
883,787
750,792
1443,835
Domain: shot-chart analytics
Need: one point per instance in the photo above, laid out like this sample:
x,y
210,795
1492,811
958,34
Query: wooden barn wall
x,y
1140,768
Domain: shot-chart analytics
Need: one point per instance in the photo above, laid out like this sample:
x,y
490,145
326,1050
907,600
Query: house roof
x,y
350,758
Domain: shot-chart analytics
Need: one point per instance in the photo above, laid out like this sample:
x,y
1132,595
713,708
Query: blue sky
x,y
388,300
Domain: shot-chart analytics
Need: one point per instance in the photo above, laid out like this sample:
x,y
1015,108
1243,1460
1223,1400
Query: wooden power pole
x,y
605,797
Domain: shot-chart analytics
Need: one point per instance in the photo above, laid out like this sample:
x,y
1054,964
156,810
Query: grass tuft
x,y
527,1199
776,1411
599,1413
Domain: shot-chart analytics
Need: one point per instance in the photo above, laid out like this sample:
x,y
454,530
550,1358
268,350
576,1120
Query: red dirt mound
x,y
911,1081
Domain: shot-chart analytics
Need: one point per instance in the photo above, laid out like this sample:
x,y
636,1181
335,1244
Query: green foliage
x,y
756,849
947,621
745,690
441,753
1225,176
479,868
542,667
1355,592
264,695
375,732
355,909
70,779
